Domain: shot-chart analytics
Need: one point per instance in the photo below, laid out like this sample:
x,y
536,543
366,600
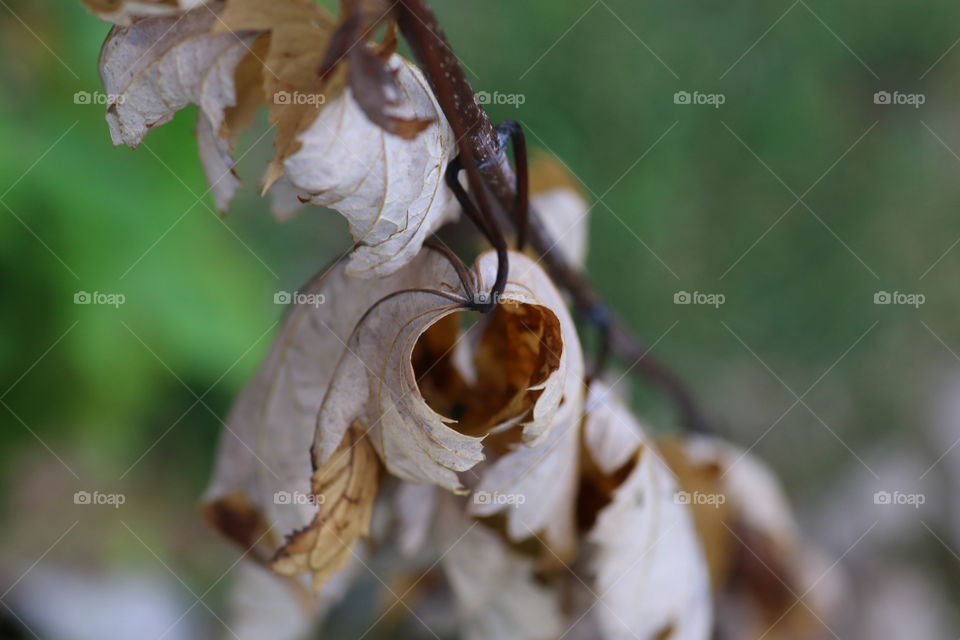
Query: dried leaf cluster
x,y
393,417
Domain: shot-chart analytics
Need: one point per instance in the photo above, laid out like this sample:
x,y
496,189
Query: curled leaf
x,y
157,66
401,354
390,189
262,475
373,80
756,558
534,483
651,578
536,486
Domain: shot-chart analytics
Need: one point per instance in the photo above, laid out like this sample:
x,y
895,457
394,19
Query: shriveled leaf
x,y
295,94
345,486
535,486
390,189
611,434
372,79
498,597
401,354
557,198
124,12
262,475
651,576
757,559
535,482
157,66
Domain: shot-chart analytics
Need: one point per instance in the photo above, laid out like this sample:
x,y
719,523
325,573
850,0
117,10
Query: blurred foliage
x,y
104,384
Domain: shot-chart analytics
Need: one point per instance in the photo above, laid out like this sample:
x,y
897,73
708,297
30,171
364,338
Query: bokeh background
x,y
798,199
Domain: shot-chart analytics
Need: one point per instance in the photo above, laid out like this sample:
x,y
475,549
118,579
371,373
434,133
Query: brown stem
x,y
490,174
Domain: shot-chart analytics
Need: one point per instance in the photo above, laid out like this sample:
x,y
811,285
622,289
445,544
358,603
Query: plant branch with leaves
x,y
424,408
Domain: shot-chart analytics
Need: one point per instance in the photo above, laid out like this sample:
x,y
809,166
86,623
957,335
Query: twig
x,y
490,174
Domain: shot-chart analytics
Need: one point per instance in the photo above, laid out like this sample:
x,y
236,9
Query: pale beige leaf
x,y
748,485
497,594
124,12
390,189
556,197
753,543
651,576
534,484
263,467
611,434
523,360
157,66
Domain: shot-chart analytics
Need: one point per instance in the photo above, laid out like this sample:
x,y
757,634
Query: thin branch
x,y
490,174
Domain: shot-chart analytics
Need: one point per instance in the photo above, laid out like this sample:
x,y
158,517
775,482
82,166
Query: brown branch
x,y
490,176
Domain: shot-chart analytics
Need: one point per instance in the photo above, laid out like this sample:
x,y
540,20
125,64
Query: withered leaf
x,y
372,79
558,200
157,66
263,460
299,31
756,556
345,487
390,189
377,384
650,574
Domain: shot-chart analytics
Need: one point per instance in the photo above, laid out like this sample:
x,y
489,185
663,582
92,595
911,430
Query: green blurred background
x,y
694,198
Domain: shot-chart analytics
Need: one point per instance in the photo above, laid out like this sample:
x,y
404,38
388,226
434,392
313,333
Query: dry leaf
x,y
758,563
299,31
401,354
157,66
556,197
651,577
534,484
345,486
498,596
372,80
390,189
262,475
124,12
